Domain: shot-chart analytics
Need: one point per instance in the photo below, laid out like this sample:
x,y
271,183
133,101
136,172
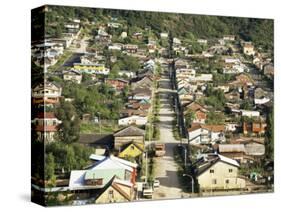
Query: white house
x,y
137,120
250,113
164,35
260,101
206,134
203,78
214,171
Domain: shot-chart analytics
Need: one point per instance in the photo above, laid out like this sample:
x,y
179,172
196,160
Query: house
x,y
128,135
130,48
231,127
248,48
131,150
249,113
204,78
243,152
91,68
200,116
131,120
144,83
234,151
253,147
242,80
123,35
115,191
268,70
254,127
233,96
261,96
141,94
194,106
46,126
118,84
200,113
115,46
202,41
114,25
206,134
216,172
137,35
163,35
129,74
127,112
101,172
46,93
72,75
109,179
103,37
229,37
176,41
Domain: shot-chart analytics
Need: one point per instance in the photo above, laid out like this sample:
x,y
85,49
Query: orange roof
x,y
214,128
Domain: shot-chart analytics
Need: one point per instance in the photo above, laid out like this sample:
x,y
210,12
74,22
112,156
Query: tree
x,y
189,117
215,118
69,128
86,77
49,167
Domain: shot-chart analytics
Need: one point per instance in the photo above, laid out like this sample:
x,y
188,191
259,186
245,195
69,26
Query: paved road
x,y
166,168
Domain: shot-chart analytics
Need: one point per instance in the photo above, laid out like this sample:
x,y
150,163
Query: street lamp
x,y
192,181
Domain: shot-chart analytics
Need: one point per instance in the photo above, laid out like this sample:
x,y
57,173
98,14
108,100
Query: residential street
x,y
166,168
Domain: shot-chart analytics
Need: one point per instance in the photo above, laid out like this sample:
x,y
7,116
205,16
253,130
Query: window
x,y
212,171
227,181
111,195
230,170
214,181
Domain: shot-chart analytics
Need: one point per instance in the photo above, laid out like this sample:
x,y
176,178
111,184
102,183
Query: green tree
x,y
69,128
49,167
189,117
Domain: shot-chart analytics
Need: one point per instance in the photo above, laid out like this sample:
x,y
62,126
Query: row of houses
x,y
47,52
45,124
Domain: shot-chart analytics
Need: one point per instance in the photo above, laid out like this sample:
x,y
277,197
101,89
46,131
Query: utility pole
x,y
192,182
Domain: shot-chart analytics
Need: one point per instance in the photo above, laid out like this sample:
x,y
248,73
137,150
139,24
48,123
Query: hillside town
x,y
124,113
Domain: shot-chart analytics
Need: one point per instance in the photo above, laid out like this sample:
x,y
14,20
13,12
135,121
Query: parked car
x,y
156,184
159,150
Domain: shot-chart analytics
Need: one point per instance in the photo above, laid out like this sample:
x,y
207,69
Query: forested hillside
x,y
260,31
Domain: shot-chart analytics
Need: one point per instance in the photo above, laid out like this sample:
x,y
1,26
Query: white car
x,y
156,183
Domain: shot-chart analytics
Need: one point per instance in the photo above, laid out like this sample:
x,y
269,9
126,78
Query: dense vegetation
x,y
260,31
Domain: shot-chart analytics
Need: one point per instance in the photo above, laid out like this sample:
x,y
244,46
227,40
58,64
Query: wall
x,y
221,173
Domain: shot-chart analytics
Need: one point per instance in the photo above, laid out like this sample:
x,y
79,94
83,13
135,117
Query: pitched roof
x,y
131,143
207,161
214,128
129,131
111,162
224,148
114,183
194,106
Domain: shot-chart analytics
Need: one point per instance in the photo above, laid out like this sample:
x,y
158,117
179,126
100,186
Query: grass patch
x,y
97,128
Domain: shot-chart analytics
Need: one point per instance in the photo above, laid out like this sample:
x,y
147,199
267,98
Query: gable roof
x,y
124,147
114,183
194,106
129,131
204,163
213,127
231,148
111,162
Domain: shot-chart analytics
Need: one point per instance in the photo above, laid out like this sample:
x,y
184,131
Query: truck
x,y
159,150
